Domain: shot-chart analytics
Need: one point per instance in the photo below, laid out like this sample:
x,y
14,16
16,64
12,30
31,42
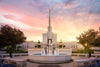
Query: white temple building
x,y
49,37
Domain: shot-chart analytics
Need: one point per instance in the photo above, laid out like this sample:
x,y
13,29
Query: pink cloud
x,y
12,17
36,20
69,6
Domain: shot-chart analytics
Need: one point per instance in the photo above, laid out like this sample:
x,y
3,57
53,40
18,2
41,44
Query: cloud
x,y
12,17
1,23
94,6
68,2
71,6
16,23
95,10
37,19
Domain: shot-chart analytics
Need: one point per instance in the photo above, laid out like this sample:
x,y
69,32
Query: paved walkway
x,y
67,64
50,65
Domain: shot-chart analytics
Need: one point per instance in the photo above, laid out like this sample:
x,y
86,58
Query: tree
x,y
10,36
88,38
97,41
2,44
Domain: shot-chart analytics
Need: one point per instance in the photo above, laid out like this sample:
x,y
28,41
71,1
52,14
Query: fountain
x,y
49,54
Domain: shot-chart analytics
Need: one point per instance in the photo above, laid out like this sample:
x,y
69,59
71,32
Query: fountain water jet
x,y
50,50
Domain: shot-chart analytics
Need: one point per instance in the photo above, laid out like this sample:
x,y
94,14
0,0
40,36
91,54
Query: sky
x,y
69,18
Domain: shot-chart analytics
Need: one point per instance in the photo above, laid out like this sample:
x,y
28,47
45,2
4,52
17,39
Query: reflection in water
x,y
49,65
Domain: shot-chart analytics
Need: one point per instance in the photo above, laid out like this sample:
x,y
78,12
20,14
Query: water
x,y
49,55
50,50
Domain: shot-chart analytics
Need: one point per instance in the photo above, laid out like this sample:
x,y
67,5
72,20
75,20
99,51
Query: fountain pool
x,y
49,54
49,58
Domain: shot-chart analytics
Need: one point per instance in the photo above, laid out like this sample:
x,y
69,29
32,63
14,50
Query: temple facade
x,y
49,37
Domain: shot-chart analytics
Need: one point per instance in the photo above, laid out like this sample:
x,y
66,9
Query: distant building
x,y
26,45
96,48
74,45
30,44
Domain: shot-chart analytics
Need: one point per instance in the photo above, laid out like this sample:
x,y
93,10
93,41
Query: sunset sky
x,y
69,18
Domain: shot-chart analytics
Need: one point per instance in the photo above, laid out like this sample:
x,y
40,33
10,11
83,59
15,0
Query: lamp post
x,y
86,45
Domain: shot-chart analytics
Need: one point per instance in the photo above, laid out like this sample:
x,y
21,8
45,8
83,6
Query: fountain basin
x,y
50,59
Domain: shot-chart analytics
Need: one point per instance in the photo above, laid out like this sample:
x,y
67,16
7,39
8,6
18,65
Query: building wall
x,y
72,45
47,36
27,45
54,38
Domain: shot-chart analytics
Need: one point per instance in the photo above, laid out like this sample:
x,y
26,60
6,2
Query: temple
x,y
49,37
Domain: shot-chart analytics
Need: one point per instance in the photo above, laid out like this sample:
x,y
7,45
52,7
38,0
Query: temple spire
x,y
49,27
49,18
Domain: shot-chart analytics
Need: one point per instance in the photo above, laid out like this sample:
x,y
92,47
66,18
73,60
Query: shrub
x,y
60,46
83,51
38,46
18,51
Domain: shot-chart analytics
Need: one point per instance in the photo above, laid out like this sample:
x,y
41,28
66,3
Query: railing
x,y
13,54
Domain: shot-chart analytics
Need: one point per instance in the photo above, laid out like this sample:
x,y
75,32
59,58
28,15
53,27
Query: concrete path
x,y
50,65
